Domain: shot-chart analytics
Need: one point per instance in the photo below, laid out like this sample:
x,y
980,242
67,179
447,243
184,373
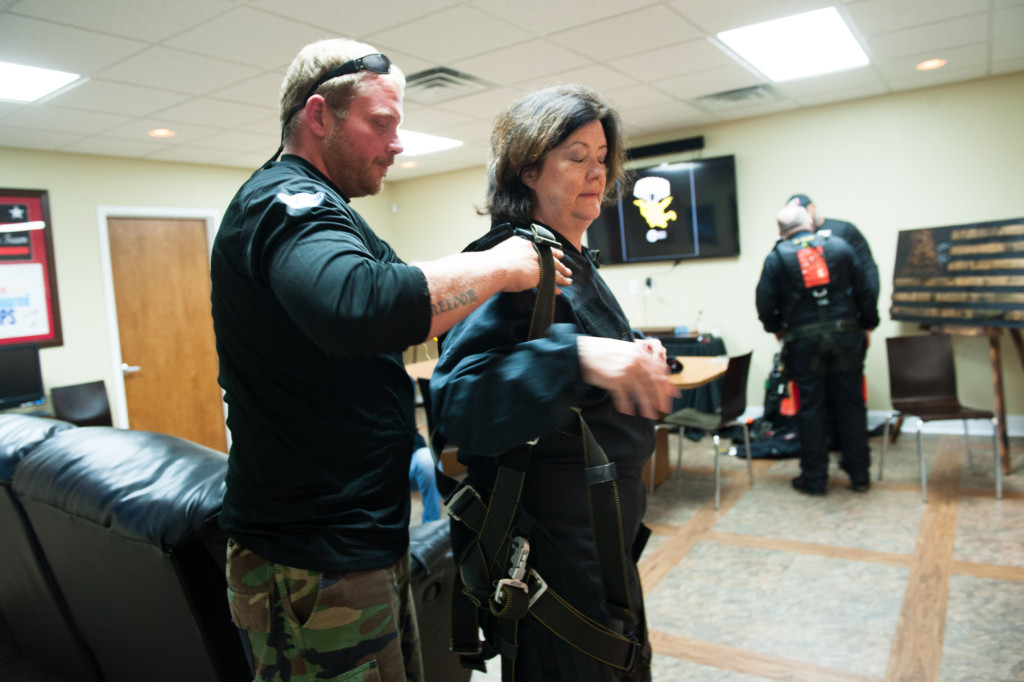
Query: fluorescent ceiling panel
x,y
802,45
416,144
29,83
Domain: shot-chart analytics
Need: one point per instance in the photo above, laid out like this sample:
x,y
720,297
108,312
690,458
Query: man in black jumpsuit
x,y
822,312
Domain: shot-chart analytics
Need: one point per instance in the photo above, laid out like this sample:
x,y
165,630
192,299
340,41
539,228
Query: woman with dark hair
x,y
554,430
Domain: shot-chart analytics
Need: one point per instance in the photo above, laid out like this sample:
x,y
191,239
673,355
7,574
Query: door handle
x,y
129,369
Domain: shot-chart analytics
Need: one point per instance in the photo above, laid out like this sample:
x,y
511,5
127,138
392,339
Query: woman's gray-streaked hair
x,y
530,128
318,58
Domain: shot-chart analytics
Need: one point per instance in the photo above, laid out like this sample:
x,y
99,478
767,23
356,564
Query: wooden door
x,y
161,275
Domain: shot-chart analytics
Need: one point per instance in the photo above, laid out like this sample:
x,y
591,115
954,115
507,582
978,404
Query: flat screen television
x,y
21,378
671,212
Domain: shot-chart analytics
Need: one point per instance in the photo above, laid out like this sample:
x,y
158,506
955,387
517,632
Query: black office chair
x,y
922,382
82,404
734,404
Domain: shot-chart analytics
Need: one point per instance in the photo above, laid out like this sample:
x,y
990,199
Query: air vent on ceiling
x,y
441,84
741,97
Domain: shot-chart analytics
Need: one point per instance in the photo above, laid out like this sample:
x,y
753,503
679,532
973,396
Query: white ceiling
x,y
211,69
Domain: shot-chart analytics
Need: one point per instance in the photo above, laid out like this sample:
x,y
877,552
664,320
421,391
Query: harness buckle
x,y
536,591
537,238
458,501
516,571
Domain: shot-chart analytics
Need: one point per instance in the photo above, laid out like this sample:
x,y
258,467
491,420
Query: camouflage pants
x,y
303,625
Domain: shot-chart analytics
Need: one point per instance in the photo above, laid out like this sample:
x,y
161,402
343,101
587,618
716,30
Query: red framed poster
x,y
29,310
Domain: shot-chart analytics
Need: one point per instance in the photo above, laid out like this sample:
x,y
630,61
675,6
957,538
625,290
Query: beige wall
x,y
940,156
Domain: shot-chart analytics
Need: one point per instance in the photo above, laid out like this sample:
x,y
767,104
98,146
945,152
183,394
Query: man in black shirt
x,y
814,297
312,311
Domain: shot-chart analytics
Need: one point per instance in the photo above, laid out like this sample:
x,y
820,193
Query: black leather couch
x,y
112,558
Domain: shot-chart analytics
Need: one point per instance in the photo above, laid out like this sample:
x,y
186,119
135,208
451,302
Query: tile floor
x,y
873,587
877,586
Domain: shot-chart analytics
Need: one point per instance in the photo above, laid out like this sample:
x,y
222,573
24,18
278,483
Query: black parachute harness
x,y
498,586
811,271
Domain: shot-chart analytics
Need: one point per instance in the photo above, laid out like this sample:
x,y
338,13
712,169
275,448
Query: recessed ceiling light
x,y
408,164
29,83
930,64
802,45
161,132
421,143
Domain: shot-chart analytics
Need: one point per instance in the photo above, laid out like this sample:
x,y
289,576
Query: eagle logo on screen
x,y
653,197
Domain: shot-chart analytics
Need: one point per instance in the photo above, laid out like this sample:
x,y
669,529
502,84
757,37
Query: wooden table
x,y
698,370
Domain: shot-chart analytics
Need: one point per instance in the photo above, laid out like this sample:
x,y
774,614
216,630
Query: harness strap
x,y
606,522
550,608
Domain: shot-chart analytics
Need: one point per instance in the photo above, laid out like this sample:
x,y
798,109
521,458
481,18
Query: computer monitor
x,y
21,377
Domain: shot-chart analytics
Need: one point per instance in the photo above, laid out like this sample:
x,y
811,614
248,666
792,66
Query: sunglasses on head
x,y
377,63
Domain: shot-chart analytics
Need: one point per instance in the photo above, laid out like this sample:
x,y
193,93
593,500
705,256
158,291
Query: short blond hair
x,y
316,59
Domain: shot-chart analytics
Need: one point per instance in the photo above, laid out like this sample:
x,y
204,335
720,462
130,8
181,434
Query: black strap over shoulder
x,y
499,583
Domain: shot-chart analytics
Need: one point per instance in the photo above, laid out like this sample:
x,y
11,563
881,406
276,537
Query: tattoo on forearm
x,y
458,301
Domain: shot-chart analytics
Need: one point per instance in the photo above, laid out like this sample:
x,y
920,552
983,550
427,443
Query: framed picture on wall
x,y
29,309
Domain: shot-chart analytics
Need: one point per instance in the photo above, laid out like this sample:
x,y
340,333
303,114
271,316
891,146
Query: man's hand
x,y
518,260
635,374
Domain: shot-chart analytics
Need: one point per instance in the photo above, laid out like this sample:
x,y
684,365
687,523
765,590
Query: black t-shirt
x,y
311,311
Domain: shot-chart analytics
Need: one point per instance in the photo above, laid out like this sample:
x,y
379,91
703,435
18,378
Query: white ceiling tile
x,y
493,100
113,146
878,16
967,56
1008,66
947,74
1004,49
637,97
26,138
838,82
675,60
596,76
720,79
268,125
523,62
430,119
631,33
761,109
813,99
933,37
69,120
249,36
1009,22
97,94
177,70
668,116
474,133
263,90
149,20
138,129
41,43
451,34
241,141
354,19
212,112
192,154
551,17
715,16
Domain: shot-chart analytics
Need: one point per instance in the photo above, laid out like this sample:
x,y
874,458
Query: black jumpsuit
x,y
493,390
826,365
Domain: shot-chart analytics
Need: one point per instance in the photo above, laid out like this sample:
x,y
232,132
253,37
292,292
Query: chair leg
x,y
885,443
967,447
995,455
679,450
920,459
718,486
750,462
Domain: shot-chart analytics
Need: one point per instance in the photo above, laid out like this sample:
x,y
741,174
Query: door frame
x,y
118,398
